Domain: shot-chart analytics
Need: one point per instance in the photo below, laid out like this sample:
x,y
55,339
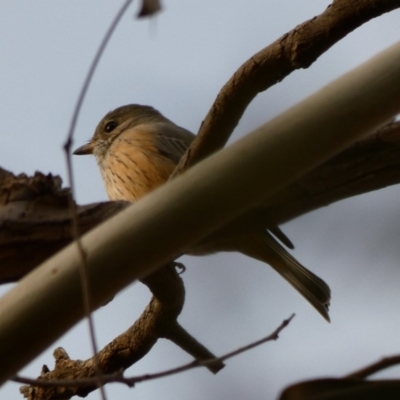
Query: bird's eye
x,y
110,126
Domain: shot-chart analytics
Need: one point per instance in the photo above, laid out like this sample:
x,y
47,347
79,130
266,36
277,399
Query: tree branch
x,y
88,382
34,216
158,320
296,49
370,164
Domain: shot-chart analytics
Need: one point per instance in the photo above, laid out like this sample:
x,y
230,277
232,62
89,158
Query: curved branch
x,y
296,49
158,320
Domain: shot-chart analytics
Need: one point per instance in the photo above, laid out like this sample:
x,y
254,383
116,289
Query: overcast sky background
x,y
177,63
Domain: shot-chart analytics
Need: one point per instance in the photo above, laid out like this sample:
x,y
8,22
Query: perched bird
x,y
137,149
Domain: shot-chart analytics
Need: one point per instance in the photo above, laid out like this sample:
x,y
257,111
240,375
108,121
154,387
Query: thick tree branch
x,y
35,225
368,165
35,221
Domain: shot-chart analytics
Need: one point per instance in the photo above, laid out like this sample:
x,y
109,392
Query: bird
x,y
137,148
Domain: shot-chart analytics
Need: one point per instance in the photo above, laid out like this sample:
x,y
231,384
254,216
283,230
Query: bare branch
x,y
352,386
370,164
296,49
158,320
34,212
49,387
365,372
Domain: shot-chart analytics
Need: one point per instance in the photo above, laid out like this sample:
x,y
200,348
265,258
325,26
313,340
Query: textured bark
x,y
296,49
35,221
158,320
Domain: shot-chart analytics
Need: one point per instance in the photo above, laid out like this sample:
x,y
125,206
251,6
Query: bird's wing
x,y
172,141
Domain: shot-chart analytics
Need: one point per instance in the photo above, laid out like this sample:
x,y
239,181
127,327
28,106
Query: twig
x,y
374,368
75,228
118,377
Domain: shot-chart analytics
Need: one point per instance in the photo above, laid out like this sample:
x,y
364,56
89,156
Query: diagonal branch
x,y
87,382
34,216
296,49
158,320
370,164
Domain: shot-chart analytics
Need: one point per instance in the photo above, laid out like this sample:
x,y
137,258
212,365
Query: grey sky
x,y
177,63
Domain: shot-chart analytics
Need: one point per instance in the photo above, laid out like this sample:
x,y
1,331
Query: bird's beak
x,y
85,149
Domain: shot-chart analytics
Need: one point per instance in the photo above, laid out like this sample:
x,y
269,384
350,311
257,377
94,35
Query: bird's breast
x,y
132,168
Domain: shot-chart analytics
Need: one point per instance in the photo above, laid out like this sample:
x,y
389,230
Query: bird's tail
x,y
265,248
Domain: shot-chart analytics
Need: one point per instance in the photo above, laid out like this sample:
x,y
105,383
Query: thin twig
x,y
374,368
75,229
194,364
118,377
